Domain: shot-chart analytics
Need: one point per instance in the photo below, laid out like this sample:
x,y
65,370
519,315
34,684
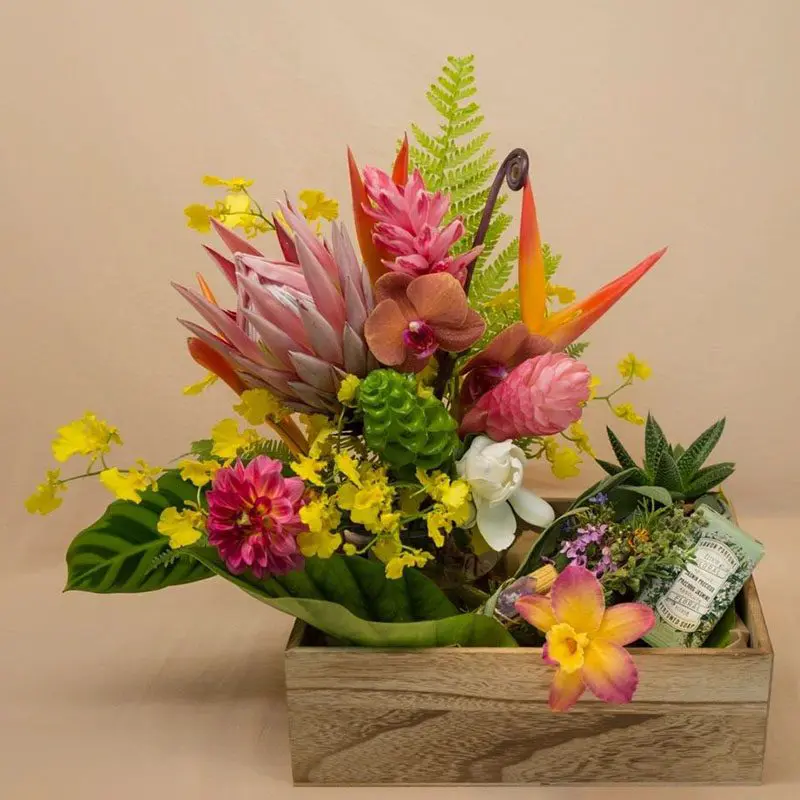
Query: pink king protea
x,y
408,226
540,397
253,518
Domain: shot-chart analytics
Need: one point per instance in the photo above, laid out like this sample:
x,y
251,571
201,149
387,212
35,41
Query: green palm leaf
x,y
123,551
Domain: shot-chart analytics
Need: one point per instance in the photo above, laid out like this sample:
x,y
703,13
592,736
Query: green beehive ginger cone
x,y
403,427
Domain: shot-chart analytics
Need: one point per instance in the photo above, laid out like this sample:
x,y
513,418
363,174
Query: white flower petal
x,y
496,522
532,508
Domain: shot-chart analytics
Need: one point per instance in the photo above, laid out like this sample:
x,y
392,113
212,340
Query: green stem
x,y
84,475
259,210
623,385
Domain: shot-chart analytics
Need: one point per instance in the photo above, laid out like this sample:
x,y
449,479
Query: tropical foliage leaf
x,y
722,634
606,485
657,493
124,552
366,608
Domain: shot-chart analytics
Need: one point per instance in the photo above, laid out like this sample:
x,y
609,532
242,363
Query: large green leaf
x,y
721,636
625,477
699,450
365,600
544,545
657,493
116,553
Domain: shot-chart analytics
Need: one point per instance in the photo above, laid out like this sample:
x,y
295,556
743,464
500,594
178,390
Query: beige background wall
x,y
648,123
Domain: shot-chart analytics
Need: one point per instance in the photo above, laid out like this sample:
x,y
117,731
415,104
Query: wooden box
x,y
363,716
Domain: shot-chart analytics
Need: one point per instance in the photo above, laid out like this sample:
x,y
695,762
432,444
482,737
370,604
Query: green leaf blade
x,y
116,554
657,493
465,630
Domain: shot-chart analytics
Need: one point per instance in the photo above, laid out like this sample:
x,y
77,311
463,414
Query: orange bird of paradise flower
x,y
371,253
565,326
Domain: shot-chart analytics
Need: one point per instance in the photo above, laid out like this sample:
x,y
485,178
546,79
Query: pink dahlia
x,y
409,226
540,397
253,518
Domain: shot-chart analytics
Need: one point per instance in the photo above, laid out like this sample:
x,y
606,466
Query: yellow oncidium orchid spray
x,y
564,326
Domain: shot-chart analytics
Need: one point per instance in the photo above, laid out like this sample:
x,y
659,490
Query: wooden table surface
x,y
179,694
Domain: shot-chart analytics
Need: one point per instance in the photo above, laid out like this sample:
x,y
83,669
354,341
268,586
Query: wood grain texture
x,y
480,716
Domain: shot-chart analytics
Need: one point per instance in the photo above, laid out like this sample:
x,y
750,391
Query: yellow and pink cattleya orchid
x,y
564,326
585,640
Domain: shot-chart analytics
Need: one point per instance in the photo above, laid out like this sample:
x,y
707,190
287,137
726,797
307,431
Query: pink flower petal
x,y
546,656
536,610
609,671
565,690
577,599
626,622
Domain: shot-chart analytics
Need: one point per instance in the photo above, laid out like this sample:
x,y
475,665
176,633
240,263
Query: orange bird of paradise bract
x,y
372,254
564,326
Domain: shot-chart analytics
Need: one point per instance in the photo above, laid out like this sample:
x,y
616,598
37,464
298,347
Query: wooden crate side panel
x,y
520,675
368,743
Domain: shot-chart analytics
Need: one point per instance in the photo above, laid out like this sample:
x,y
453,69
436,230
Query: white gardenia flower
x,y
494,473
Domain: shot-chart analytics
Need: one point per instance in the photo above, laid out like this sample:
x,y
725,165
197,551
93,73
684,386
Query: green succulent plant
x,y
673,468
403,427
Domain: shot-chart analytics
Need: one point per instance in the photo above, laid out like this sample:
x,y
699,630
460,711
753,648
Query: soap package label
x,y
690,603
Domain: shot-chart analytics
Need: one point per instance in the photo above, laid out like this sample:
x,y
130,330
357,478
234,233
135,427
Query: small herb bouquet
x,y
390,393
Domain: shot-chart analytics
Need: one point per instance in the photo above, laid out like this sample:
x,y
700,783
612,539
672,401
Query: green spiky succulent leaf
x,y
655,443
693,458
403,427
677,469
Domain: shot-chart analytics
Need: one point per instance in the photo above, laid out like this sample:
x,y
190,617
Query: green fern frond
x,y
576,349
452,160
497,227
458,161
551,261
490,281
271,448
498,318
166,559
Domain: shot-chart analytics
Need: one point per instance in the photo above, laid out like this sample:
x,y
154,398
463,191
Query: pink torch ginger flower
x,y
409,226
585,640
254,518
540,397
507,350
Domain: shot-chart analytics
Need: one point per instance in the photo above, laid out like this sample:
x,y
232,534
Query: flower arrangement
x,y
390,393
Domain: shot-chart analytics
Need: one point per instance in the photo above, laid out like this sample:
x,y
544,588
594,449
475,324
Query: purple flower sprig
x,y
588,550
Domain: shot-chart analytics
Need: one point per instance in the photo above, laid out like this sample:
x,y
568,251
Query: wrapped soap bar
x,y
690,603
